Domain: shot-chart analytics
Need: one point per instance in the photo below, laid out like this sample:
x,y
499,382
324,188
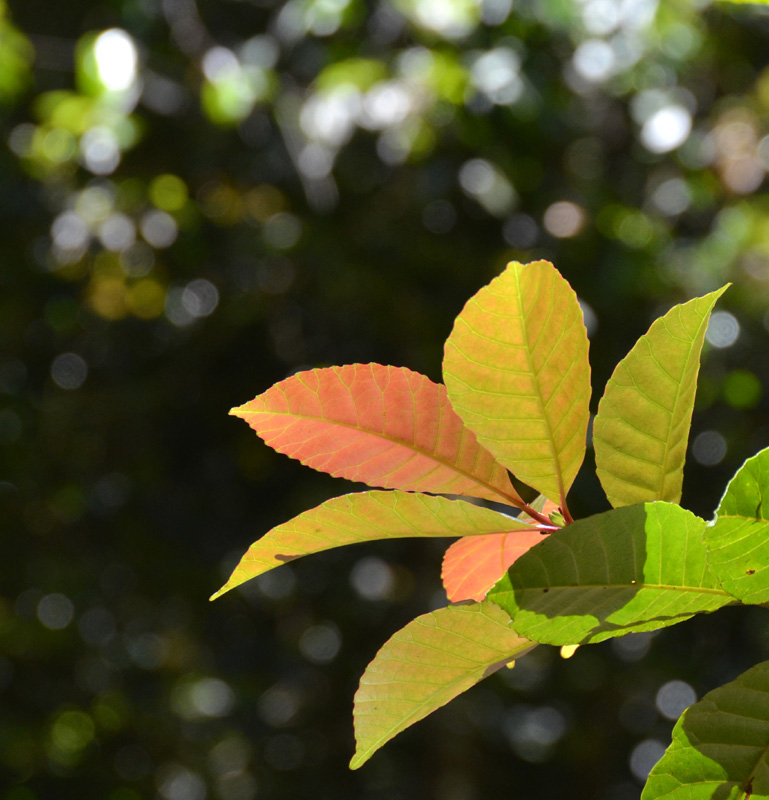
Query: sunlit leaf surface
x,y
432,660
384,426
720,746
636,568
365,517
473,564
738,539
516,369
642,426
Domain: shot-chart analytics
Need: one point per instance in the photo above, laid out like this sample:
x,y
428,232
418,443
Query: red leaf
x,y
473,564
384,426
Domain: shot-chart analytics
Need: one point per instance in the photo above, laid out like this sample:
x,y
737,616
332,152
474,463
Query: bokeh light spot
x,y
644,756
723,329
168,192
320,643
55,611
372,578
673,697
742,389
116,59
69,371
666,129
564,219
709,448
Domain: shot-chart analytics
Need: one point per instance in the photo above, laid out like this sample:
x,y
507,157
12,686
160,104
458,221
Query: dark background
x,y
285,186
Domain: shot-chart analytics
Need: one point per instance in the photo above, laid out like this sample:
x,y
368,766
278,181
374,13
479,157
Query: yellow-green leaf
x,y
642,426
516,370
366,517
432,660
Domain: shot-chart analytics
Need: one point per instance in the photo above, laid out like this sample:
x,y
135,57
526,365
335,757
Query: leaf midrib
x,y
363,756
538,389
634,586
399,442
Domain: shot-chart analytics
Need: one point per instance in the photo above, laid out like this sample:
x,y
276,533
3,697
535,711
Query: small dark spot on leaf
x,y
283,557
750,572
545,591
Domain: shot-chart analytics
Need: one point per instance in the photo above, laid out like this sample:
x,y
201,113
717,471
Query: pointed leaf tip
x,y
364,517
516,370
425,665
641,430
385,426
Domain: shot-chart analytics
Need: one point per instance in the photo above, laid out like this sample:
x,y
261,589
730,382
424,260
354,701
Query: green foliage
x,y
720,745
518,378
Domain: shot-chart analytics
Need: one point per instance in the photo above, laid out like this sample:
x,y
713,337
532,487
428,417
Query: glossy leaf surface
x,y
738,539
642,426
636,568
384,426
516,370
720,746
365,517
432,660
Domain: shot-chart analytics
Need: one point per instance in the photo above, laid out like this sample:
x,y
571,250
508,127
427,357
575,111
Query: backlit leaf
x,y
738,538
384,426
720,746
636,568
473,564
642,426
432,660
365,517
516,370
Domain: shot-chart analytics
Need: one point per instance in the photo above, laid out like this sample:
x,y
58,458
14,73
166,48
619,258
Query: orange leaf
x,y
473,564
384,426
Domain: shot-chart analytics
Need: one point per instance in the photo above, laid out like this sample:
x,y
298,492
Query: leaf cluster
x,y
516,401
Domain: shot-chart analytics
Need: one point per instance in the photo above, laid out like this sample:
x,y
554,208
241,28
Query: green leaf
x,y
642,426
738,538
636,568
432,660
365,517
720,746
516,370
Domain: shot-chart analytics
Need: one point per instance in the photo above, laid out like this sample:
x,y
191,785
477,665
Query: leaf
x,y
642,427
425,665
516,370
636,568
473,564
384,426
738,538
365,517
720,746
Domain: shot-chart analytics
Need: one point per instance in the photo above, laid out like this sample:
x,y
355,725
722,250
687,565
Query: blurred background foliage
x,y
199,198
